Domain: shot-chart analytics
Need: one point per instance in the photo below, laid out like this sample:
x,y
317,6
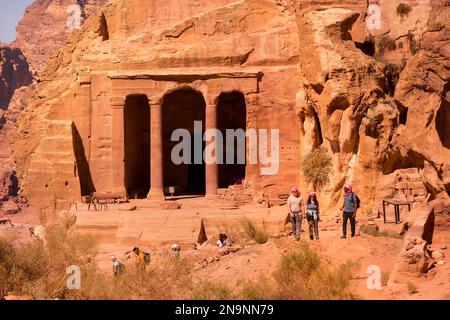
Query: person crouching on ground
x,y
349,211
312,215
296,209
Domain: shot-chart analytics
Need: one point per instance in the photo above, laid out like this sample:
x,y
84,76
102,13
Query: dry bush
x,y
412,288
262,289
301,275
207,290
384,233
39,270
170,278
385,43
257,234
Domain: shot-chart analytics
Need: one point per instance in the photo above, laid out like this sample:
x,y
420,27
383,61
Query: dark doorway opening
x,y
137,146
181,109
443,119
232,114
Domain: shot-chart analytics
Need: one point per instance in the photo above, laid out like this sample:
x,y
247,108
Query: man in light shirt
x,y
296,208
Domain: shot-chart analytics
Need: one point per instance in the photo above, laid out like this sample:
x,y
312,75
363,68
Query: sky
x,y
11,13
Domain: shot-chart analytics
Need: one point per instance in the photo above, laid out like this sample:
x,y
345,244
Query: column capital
x,y
118,102
155,101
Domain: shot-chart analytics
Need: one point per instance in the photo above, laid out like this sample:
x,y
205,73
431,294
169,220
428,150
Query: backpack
x,y
358,201
147,258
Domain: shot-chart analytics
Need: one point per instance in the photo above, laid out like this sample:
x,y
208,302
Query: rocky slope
x,y
42,31
14,73
47,24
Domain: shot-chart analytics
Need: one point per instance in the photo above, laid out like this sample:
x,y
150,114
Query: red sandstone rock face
x,y
44,28
317,87
423,92
42,31
14,73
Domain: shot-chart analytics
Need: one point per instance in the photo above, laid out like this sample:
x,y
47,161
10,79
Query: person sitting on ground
x,y
223,240
312,215
118,267
296,209
349,209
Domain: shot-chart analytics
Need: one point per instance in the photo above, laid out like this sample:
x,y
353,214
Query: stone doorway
x,y
232,114
181,109
137,146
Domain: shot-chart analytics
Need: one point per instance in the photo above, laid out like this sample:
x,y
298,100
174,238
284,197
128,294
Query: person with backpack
x,y
142,258
118,267
296,208
312,215
349,209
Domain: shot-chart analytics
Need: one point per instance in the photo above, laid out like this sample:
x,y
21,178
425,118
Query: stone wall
x,y
296,64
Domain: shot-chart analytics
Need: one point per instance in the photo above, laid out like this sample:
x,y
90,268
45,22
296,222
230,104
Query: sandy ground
x,y
256,260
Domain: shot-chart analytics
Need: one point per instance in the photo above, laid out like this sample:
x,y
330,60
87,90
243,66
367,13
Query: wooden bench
x,y
100,200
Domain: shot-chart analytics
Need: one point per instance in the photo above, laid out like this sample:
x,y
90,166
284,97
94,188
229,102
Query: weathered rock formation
x,y
292,66
43,30
14,73
47,24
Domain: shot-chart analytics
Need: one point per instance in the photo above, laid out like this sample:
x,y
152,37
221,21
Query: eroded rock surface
x,y
317,87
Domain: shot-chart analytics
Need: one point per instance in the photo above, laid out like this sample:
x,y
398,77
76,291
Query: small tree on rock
x,y
317,167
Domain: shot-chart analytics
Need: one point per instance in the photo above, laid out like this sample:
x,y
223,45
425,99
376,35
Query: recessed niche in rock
x,y
443,123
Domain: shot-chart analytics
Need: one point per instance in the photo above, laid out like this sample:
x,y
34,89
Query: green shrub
x,y
403,9
260,236
317,168
384,233
301,275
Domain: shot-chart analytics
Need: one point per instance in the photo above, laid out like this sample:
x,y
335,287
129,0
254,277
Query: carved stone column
x,y
156,153
212,169
118,144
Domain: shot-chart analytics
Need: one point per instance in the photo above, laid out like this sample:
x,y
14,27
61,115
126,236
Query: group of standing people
x,y
298,210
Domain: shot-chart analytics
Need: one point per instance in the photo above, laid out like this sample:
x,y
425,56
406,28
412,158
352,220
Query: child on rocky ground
x,y
118,267
312,215
223,240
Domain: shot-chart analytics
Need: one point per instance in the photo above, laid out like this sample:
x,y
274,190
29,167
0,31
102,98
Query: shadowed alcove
x,y
137,146
232,114
181,108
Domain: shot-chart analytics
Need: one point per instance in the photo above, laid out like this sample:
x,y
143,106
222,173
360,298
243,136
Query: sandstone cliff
x,y
47,24
44,29
14,73
319,87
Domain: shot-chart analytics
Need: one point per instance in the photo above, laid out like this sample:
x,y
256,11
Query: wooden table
x,y
396,204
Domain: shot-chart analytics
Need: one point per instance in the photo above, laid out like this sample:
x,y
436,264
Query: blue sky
x,y
11,13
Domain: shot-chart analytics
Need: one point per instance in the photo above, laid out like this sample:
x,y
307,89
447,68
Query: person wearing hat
x,y
117,266
296,209
312,215
175,248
